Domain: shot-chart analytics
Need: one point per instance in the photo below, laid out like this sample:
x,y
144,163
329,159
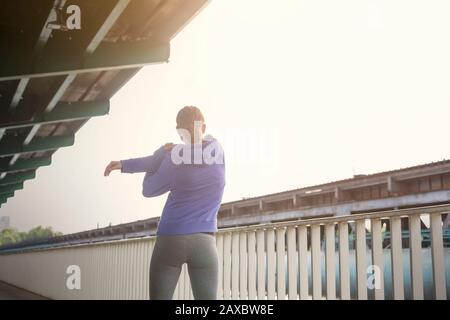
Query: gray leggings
x,y
199,251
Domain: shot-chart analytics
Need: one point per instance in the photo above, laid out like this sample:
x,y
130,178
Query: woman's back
x,y
196,187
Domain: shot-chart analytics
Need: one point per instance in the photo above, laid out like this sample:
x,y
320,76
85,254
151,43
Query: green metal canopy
x,y
53,79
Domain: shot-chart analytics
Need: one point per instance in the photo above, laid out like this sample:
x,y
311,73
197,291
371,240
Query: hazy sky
x,y
301,92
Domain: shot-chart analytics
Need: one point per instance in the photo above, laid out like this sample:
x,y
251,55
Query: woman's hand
x,y
168,146
117,165
113,165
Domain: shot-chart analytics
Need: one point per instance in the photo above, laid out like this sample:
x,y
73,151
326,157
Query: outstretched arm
x,y
144,164
148,164
161,181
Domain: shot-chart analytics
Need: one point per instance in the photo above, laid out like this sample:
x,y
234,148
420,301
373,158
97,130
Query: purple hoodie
x,y
196,184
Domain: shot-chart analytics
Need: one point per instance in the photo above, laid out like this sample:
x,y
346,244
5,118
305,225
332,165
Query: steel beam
x,y
25,164
17,177
50,106
108,56
11,187
42,41
17,97
6,195
107,24
37,144
64,111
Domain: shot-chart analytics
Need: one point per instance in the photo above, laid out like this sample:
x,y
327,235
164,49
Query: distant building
x,y
4,223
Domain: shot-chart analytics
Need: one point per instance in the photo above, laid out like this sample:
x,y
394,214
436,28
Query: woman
x,y
194,175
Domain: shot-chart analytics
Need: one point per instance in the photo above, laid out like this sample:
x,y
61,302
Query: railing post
x,y
437,247
243,256
303,260
330,255
292,263
235,265
127,272
251,265
281,273
271,267
361,263
415,252
344,269
397,258
143,271
378,256
115,279
316,263
122,272
261,267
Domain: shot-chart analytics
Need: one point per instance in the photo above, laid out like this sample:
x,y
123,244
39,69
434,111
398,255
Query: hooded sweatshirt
x,y
194,176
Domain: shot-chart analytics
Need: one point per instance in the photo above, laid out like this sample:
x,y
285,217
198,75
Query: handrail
x,y
443,209
269,261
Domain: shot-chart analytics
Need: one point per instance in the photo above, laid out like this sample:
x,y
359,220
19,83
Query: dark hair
x,y
187,116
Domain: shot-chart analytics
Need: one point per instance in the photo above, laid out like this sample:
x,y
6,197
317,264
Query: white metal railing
x,y
288,260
